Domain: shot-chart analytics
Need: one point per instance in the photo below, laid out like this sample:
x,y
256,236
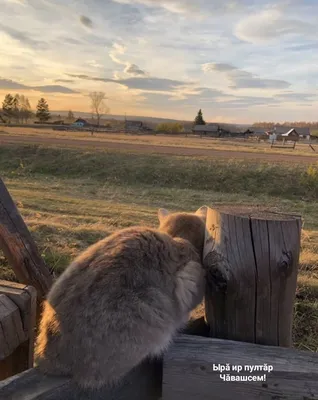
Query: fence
x,y
240,350
283,144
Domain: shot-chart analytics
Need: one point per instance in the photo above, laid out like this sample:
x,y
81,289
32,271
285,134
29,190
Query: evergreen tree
x,y
199,119
8,106
42,110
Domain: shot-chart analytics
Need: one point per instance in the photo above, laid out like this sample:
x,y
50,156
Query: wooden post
x,y
17,324
19,247
252,262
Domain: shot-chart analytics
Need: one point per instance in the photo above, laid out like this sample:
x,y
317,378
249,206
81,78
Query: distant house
x,y
258,130
232,130
292,134
133,126
303,132
80,123
207,130
289,131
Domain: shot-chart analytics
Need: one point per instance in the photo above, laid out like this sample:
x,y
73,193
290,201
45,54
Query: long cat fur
x,y
123,300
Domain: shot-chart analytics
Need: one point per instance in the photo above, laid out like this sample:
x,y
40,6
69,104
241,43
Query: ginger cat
x,y
122,300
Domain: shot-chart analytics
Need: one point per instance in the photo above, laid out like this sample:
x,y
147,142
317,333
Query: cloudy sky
x,y
240,61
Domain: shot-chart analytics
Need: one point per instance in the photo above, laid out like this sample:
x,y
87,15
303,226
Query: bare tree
x,y
25,109
98,105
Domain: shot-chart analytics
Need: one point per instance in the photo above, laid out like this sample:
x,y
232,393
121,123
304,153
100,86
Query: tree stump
x,y
252,259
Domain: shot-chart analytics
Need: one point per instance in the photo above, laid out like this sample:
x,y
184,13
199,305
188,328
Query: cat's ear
x,y
162,213
202,212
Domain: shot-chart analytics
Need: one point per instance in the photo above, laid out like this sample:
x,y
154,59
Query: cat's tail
x,y
48,354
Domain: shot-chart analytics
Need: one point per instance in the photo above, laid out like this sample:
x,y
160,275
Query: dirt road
x,y
147,148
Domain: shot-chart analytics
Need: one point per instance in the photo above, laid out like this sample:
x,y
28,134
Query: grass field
x,y
228,145
72,198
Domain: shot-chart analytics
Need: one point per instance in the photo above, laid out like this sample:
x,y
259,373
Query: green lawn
x,y
70,199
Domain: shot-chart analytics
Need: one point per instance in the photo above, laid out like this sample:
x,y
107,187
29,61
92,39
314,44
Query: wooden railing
x,y
241,349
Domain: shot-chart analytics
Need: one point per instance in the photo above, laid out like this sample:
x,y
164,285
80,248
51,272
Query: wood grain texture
x,y
188,372
252,263
144,383
17,326
19,247
11,327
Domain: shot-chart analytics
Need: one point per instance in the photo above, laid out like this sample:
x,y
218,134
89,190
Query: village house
x,y
80,123
223,130
207,130
259,132
133,126
291,132
232,130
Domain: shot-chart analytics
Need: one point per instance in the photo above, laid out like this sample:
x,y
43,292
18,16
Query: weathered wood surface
x,y
144,383
11,330
252,262
19,247
17,324
188,372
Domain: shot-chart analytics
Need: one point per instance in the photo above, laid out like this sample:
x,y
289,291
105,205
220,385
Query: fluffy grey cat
x,y
123,300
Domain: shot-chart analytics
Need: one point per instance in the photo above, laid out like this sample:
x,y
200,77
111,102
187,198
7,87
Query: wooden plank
x,y
251,259
19,247
18,294
189,371
11,327
19,356
144,383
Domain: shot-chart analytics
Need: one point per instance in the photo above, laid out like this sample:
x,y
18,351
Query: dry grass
x,y
68,206
171,141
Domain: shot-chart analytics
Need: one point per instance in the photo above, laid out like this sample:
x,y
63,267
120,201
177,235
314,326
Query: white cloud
x,y
94,63
160,46
134,70
240,79
190,7
19,2
221,67
175,6
117,49
270,24
130,69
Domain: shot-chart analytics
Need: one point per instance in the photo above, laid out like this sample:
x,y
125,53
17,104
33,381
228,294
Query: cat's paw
x,y
190,286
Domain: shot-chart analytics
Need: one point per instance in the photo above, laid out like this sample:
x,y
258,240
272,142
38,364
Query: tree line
x,y
177,127
295,124
18,109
